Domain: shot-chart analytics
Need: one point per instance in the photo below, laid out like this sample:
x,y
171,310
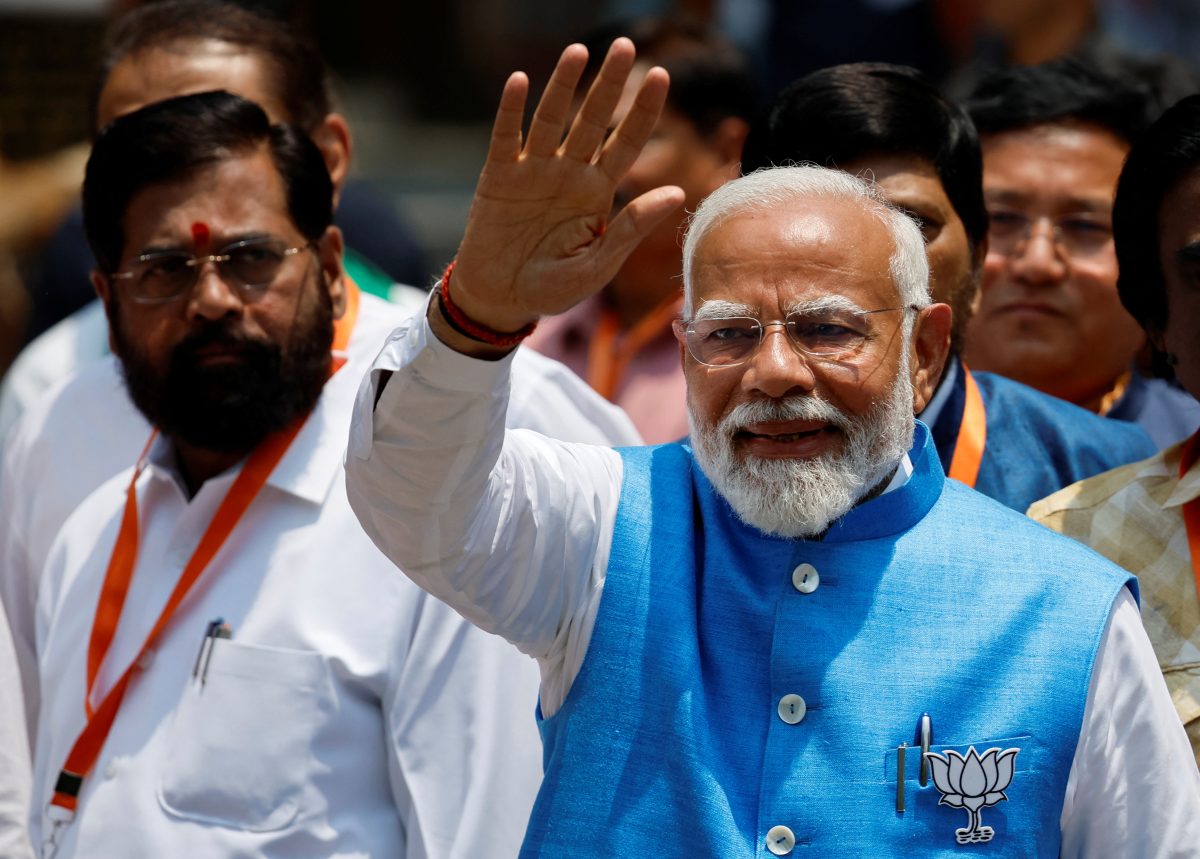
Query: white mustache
x,y
790,409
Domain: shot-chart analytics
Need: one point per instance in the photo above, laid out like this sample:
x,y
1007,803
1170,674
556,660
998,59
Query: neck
x,y
633,299
197,464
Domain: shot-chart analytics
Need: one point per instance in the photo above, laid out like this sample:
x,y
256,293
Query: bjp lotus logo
x,y
972,783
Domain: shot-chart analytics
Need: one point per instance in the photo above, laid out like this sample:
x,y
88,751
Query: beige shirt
x,y
1133,515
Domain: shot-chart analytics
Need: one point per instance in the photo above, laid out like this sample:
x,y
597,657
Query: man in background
x,y
173,48
620,341
1146,516
891,125
1054,138
226,667
70,443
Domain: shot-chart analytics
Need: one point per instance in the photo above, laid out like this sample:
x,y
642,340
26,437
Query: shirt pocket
x,y
239,752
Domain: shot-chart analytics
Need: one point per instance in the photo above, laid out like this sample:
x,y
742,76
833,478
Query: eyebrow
x,y
1189,252
1091,205
828,304
218,246
719,309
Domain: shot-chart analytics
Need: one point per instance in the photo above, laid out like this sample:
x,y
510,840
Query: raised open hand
x,y
538,238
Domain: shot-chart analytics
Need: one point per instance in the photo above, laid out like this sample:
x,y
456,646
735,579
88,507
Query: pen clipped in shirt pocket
x,y
240,745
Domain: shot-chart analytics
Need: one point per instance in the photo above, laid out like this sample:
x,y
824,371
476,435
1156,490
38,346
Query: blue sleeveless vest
x,y
719,701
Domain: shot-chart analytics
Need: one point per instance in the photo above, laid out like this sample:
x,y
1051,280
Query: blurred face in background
x,y
912,183
1179,252
1049,313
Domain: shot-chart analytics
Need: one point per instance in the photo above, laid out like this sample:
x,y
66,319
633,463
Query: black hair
x,y
710,79
295,70
170,140
1101,91
1165,154
843,113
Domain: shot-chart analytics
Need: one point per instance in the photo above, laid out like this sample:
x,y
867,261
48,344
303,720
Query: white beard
x,y
801,497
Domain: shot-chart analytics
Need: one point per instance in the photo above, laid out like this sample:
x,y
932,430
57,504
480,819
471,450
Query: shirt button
x,y
114,767
805,578
145,659
792,709
780,840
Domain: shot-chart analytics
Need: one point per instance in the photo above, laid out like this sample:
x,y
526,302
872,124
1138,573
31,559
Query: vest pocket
x,y
240,743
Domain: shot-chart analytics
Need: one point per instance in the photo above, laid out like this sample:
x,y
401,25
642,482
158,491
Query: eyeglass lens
x,y
1079,235
731,340
252,265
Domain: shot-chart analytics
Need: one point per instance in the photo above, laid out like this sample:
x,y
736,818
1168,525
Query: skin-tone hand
x,y
538,238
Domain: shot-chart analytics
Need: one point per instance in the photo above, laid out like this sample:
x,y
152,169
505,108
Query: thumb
x,y
635,222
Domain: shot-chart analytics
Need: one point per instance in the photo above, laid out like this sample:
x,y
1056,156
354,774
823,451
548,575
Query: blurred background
x,y
418,83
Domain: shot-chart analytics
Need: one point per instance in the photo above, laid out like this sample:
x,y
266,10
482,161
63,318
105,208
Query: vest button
x,y
792,709
806,579
780,840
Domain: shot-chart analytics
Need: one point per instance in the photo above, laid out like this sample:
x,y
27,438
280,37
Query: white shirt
x,y
349,715
519,537
14,755
85,430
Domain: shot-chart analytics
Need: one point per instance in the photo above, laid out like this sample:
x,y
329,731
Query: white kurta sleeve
x,y
15,773
511,528
466,758
1134,789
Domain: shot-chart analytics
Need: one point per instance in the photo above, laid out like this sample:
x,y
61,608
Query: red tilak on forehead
x,y
201,237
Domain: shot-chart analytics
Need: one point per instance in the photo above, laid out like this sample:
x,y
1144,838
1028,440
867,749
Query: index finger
x,y
505,144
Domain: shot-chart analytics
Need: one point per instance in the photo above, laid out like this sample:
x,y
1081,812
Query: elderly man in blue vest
x,y
791,635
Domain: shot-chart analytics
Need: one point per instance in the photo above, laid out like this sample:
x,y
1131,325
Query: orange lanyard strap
x,y
1191,510
610,352
972,435
122,563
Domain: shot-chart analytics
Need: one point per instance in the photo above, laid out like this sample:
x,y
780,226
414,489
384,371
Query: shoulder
x,y
548,397
1058,422
76,341
1101,490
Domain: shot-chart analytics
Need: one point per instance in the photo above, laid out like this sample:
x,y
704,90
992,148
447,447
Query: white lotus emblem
x,y
972,783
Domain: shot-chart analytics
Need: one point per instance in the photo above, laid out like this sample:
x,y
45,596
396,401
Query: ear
x,y
103,286
332,136
329,254
727,140
929,348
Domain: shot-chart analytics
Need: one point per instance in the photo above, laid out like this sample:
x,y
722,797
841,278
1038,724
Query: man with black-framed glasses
x,y
790,635
226,665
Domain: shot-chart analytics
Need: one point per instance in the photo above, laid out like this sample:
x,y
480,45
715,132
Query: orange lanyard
x,y
1191,510
121,565
610,352
972,435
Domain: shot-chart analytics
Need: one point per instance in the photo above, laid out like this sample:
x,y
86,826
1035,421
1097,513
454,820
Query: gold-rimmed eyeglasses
x,y
827,335
250,266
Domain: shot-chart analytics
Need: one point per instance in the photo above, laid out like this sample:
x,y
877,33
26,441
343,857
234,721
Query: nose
x,y
211,297
1039,260
777,368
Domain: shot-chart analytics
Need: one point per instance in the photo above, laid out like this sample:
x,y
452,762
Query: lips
x,y
1030,308
787,438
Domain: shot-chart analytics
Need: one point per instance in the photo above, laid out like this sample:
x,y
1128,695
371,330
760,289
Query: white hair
x,y
774,188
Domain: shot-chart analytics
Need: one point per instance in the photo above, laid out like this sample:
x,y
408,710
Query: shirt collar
x,y
1188,487
944,389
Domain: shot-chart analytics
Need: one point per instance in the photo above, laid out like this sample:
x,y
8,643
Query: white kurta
x,y
86,430
14,755
519,537
349,714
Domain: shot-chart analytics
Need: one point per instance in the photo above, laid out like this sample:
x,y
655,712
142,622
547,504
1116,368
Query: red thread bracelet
x,y
468,327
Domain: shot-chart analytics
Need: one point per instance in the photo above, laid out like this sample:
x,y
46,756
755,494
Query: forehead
x,y
909,181
1055,161
796,252
239,196
184,67
1179,217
